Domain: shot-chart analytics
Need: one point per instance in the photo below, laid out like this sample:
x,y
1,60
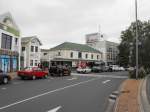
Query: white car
x,y
121,68
115,67
84,70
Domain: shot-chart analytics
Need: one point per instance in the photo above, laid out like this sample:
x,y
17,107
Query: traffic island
x,y
128,98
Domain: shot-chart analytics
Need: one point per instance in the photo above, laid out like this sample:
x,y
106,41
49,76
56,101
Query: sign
x,y
91,38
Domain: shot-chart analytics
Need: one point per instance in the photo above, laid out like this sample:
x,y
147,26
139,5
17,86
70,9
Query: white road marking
x,y
74,78
105,81
17,83
46,93
55,109
107,76
3,88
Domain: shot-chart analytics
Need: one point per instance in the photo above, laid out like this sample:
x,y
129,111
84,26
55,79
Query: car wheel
x,y
33,77
46,76
5,80
22,78
61,74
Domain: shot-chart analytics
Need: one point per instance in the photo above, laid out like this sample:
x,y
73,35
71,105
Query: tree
x,y
128,44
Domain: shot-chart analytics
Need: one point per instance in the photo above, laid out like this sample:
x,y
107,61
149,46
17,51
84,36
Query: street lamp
x,y
136,39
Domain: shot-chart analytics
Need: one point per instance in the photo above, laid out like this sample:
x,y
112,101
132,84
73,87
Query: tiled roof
x,y
27,39
75,47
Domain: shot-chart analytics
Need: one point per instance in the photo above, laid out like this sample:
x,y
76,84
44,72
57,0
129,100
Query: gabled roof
x,y
28,39
75,47
8,16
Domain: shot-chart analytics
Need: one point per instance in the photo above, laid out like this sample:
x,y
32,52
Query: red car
x,y
32,73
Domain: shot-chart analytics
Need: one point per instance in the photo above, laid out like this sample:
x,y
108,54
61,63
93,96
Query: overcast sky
x,y
56,21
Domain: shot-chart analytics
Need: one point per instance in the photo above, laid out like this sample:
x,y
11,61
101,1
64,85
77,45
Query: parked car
x,y
32,73
121,68
84,70
97,69
106,69
4,77
59,70
114,67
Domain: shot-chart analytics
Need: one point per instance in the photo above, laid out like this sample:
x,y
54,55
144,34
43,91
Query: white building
x,y
30,51
9,44
109,49
71,54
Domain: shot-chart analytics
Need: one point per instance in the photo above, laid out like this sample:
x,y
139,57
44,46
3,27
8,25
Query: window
x,y
97,56
6,41
71,54
79,55
23,48
59,53
31,62
16,41
32,48
36,49
44,54
86,56
91,56
36,63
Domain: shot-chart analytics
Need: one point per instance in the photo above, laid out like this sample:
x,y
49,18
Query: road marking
x,y
74,78
17,83
3,88
55,109
107,76
105,81
46,93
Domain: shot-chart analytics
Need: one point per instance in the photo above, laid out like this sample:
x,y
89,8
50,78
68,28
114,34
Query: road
x,y
76,93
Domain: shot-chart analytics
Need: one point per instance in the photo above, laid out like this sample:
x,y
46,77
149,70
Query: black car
x,y
4,78
59,70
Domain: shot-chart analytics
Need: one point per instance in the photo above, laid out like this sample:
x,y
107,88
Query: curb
x,y
117,100
113,99
143,99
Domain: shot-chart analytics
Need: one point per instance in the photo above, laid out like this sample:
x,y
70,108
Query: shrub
x,y
141,73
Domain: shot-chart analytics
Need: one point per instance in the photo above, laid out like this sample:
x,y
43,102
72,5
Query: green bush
x,y
141,73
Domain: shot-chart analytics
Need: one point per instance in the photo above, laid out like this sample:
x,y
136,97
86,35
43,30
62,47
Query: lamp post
x,y
136,39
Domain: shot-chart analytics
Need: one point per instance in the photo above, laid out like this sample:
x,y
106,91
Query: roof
x,y
28,39
8,16
75,47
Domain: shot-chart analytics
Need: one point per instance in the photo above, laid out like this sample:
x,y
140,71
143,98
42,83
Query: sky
x,y
58,21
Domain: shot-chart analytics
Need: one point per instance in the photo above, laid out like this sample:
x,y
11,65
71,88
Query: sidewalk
x,y
128,98
13,74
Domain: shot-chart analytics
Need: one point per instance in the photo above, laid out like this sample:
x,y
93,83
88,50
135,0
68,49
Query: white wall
x,y
31,55
65,54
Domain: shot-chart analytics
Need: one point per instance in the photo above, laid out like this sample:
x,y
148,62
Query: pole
x,y
136,39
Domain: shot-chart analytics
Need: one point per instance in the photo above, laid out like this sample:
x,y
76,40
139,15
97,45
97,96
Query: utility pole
x,y
136,14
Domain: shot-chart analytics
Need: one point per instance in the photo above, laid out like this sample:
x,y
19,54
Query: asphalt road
x,y
76,93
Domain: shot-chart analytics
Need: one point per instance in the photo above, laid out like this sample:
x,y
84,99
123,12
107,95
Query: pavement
x,y
76,93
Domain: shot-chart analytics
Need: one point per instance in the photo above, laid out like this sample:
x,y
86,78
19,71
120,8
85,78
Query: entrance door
x,y
5,63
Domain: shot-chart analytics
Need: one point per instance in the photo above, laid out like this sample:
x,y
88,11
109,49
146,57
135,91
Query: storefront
x,y
8,61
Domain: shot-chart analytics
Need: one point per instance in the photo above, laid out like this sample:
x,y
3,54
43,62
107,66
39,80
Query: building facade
x,y
30,51
109,49
9,44
71,54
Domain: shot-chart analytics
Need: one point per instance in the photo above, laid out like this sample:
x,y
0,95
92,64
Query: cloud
x,y
56,21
